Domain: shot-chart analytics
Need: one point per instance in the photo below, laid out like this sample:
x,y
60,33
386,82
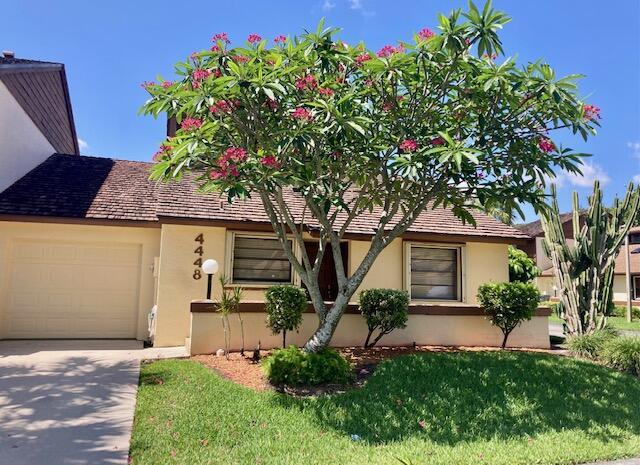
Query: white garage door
x,y
72,290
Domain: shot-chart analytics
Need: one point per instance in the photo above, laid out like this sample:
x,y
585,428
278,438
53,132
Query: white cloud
x,y
328,5
82,144
355,4
635,147
590,172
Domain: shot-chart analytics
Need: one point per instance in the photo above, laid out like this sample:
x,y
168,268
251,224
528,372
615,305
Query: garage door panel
x,y
69,290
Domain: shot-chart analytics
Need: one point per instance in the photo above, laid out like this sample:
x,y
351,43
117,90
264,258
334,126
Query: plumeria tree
x,y
437,121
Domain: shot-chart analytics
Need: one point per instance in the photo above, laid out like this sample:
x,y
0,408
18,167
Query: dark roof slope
x,y
41,89
91,187
534,228
69,186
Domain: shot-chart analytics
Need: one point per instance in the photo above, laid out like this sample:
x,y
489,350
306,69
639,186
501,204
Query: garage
x,y
57,289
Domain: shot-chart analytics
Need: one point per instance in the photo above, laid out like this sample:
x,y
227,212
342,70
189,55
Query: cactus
x,y
584,270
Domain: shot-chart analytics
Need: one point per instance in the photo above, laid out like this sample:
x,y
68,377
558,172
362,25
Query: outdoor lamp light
x,y
210,267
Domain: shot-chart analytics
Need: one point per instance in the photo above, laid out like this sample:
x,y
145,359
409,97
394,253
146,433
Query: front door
x,y
327,279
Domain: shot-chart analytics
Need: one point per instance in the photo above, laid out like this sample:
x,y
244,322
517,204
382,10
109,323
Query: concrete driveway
x,y
67,402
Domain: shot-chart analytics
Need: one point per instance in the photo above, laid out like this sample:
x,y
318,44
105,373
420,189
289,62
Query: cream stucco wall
x,y
148,239
207,335
22,145
545,285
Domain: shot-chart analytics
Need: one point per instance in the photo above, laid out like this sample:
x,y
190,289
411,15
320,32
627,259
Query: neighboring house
x,y
35,115
546,281
89,245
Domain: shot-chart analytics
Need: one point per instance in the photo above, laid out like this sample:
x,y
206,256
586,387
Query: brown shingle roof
x,y
92,187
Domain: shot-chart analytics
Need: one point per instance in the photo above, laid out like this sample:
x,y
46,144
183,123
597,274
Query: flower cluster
x,y
389,50
198,76
270,162
228,163
161,153
221,36
224,106
271,104
437,141
190,124
167,84
280,39
362,58
325,91
240,58
591,112
546,145
409,145
426,33
302,114
307,82
146,84
253,38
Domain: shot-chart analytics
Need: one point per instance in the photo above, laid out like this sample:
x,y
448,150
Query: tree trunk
x,y
322,336
284,338
504,340
366,342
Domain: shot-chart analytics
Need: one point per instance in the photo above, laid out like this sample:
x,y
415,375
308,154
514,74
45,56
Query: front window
x,y
434,272
636,287
259,260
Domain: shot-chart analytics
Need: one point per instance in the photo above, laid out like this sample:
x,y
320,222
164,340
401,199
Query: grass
x,y
616,322
437,408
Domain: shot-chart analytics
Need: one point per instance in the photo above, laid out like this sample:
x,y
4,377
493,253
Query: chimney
x,y
8,54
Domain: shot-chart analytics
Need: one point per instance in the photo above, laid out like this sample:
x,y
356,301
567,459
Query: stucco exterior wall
x,y
207,335
22,145
148,240
545,285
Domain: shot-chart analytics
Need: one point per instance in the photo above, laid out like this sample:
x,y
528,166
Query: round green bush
x,y
384,310
590,345
621,311
295,367
285,306
622,353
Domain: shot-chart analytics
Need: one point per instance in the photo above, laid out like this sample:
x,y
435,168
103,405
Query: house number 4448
x,y
199,252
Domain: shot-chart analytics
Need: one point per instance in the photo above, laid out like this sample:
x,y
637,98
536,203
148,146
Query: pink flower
x,y
224,106
591,112
546,145
362,58
302,114
270,162
146,84
389,50
409,145
216,174
236,154
161,153
437,141
240,58
368,82
253,38
199,75
215,48
326,92
221,36
217,73
167,84
307,82
426,33
280,39
190,124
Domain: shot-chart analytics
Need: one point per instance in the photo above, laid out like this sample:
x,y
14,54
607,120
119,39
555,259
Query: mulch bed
x,y
244,371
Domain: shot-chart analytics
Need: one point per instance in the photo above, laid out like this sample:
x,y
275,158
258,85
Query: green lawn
x,y
614,321
438,408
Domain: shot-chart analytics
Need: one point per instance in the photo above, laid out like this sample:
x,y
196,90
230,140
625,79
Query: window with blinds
x,y
434,273
259,260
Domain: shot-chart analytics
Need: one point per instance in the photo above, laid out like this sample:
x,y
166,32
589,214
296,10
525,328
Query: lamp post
x,y
209,267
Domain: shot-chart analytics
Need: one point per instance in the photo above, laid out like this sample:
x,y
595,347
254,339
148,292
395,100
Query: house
x,y
89,245
546,281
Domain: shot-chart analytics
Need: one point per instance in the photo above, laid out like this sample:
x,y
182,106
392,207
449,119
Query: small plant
x,y
285,306
622,353
508,304
229,303
521,267
384,310
295,367
590,345
621,311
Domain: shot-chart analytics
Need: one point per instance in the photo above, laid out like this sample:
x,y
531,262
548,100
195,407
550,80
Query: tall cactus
x,y
584,270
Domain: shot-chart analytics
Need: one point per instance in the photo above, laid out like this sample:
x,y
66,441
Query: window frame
x,y
230,252
633,285
461,269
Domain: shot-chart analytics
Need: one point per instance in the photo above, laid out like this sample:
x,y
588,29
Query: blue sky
x,y
109,48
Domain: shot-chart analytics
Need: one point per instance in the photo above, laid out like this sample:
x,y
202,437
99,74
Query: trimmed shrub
x,y
522,268
622,353
590,345
508,304
621,311
285,306
295,367
384,310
